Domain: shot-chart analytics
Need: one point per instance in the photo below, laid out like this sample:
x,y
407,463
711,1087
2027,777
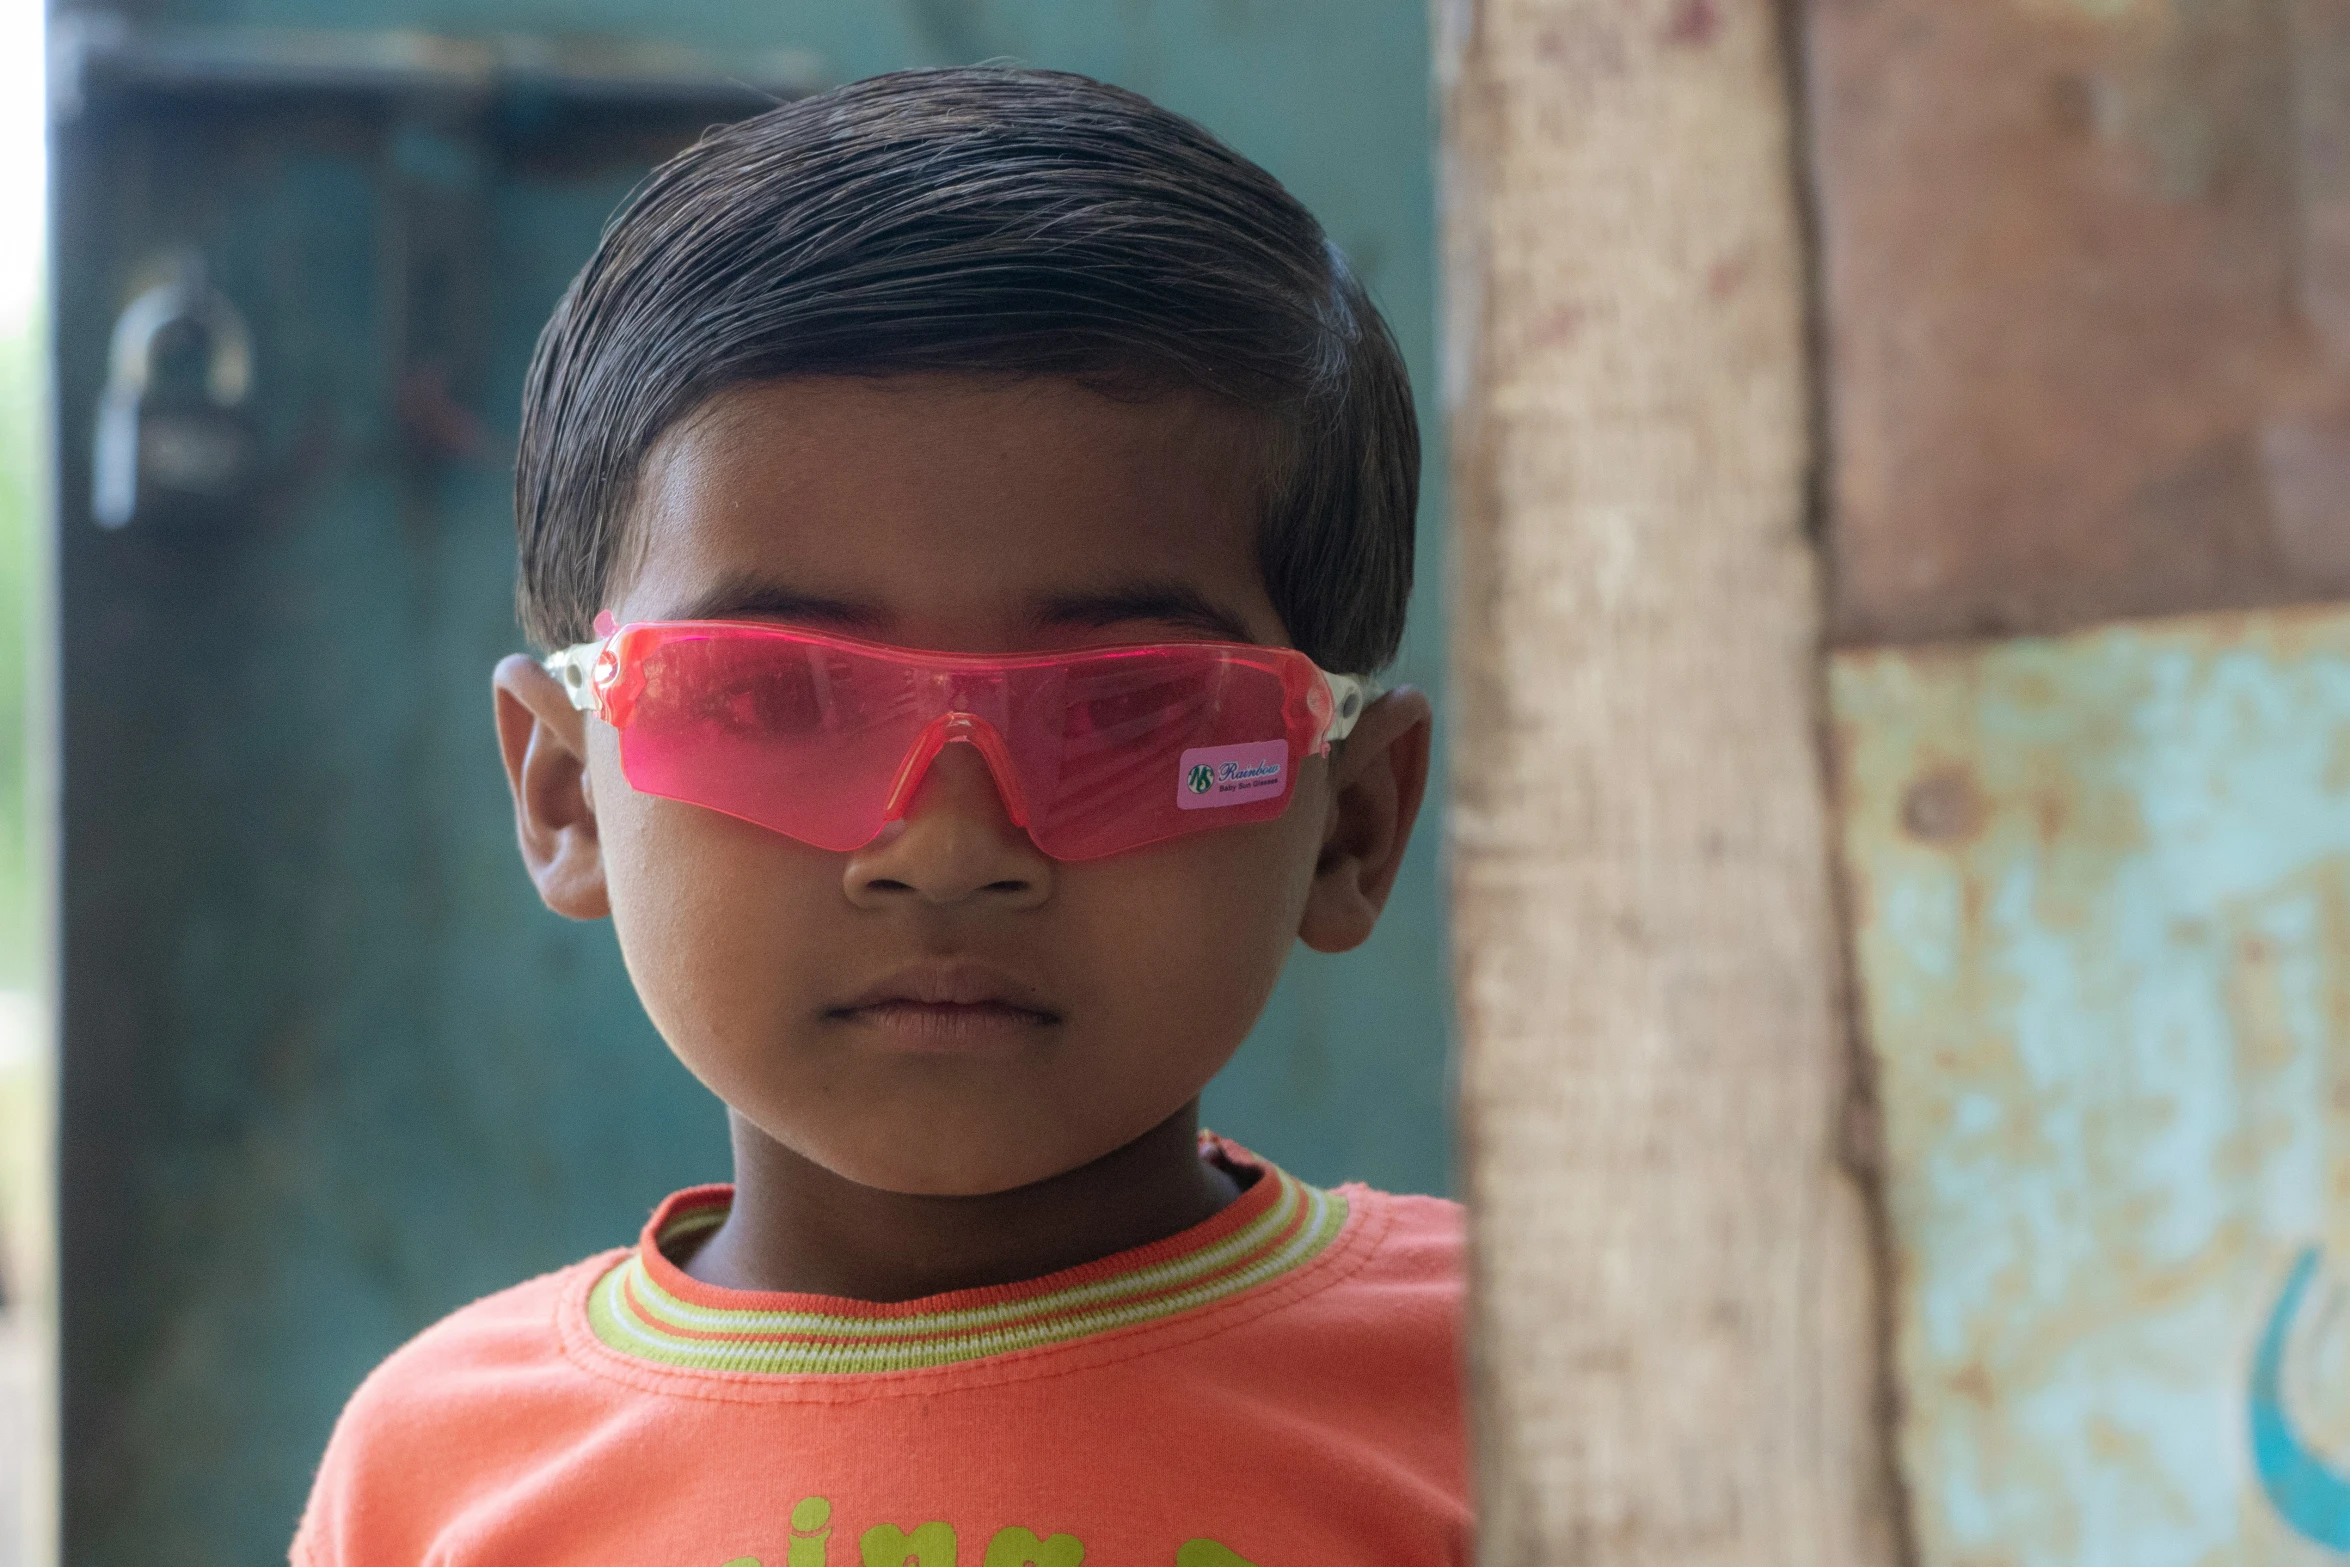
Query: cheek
x,y
702,904
1199,929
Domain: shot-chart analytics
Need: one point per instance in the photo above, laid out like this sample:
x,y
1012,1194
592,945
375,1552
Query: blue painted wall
x,y
2101,906
329,1070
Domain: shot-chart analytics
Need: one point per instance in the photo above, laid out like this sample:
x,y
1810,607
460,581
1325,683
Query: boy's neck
x,y
796,1226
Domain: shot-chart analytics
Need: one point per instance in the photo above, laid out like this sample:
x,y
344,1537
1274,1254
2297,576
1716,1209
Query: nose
x,y
955,843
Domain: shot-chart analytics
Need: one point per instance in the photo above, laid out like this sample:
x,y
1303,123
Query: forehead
x,y
948,511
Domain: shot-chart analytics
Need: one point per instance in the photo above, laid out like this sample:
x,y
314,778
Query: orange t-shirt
x,y
1276,1387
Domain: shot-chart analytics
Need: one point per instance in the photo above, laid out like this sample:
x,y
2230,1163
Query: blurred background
x,y
27,1257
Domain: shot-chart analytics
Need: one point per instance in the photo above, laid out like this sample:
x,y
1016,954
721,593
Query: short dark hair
x,y
986,220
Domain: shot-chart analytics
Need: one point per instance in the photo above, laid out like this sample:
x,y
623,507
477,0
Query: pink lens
x,y
826,738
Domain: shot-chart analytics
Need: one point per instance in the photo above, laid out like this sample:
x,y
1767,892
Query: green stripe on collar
x,y
631,1312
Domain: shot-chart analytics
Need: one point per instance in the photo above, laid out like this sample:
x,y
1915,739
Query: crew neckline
x,y
645,1308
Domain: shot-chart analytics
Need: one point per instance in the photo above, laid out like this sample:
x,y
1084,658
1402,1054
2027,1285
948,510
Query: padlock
x,y
174,440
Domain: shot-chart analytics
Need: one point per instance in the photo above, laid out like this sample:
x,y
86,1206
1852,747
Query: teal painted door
x,y
328,1069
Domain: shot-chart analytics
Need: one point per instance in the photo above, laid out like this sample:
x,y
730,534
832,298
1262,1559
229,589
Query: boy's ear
x,y
544,739
1378,776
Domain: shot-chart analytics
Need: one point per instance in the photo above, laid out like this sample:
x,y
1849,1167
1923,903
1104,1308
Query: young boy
x,y
966,508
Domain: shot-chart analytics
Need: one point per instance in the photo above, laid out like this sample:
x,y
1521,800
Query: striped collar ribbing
x,y
646,1308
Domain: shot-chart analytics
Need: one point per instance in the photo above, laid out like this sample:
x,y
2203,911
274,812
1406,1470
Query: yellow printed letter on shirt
x,y
887,1545
1021,1548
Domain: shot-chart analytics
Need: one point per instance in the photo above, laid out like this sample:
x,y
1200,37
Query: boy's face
x,y
947,1010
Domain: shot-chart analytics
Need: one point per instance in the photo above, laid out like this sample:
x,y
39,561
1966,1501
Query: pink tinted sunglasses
x,y
826,738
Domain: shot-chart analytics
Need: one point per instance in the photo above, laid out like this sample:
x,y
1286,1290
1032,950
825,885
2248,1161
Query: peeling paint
x,y
2102,923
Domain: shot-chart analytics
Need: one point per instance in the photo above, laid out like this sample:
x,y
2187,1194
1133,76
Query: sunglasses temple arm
x,y
1350,696
572,668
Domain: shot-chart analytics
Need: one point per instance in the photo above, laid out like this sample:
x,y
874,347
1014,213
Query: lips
x,y
947,1002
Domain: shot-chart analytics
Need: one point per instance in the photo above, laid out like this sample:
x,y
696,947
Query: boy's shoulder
x,y
435,1409
492,1338
1420,1246
1396,1297
1423,1233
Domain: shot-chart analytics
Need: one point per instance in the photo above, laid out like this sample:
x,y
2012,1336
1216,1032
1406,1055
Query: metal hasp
x,y
2100,891
174,443
453,106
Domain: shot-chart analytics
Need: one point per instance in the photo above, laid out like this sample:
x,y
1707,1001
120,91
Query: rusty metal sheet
x,y
2086,271
2100,890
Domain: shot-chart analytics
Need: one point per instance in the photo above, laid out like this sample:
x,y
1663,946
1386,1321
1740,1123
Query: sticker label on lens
x,y
1214,775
